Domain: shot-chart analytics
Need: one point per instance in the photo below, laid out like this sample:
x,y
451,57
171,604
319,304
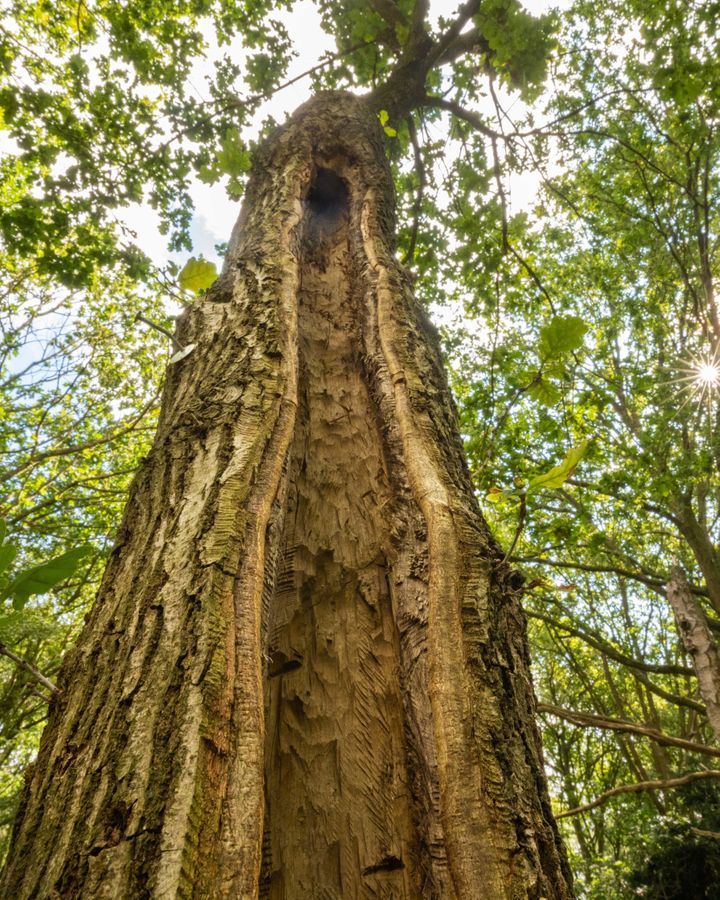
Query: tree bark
x,y
699,642
702,547
306,672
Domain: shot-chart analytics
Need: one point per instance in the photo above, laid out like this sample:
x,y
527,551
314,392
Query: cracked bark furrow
x,y
305,674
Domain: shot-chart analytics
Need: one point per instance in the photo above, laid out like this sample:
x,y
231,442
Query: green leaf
x,y
233,158
497,495
545,392
558,475
7,555
3,530
197,275
383,118
562,335
208,175
402,33
40,579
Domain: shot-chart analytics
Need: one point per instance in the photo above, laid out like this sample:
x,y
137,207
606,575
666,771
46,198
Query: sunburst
x,y
708,375
701,378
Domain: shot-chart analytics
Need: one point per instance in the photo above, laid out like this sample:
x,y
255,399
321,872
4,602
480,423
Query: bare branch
x,y
595,641
139,317
422,182
621,725
36,674
641,786
467,115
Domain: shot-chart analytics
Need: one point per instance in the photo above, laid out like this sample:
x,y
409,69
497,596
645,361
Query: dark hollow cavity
x,y
328,198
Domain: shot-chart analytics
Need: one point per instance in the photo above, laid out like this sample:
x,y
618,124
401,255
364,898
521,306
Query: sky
x,y
215,212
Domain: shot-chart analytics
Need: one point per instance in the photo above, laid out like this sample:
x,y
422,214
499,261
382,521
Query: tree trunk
x,y
699,642
306,672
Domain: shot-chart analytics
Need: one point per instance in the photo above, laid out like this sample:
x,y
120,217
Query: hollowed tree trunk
x,y
306,674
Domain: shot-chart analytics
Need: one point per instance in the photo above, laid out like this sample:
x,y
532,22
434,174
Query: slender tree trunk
x,y
698,641
702,547
306,672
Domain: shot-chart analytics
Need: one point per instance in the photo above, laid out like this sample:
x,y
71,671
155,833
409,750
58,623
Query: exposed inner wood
x,y
339,817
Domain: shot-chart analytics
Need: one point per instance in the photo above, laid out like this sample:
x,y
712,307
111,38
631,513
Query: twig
x,y
38,676
107,438
422,181
139,317
518,530
460,112
503,418
656,584
497,172
238,103
37,693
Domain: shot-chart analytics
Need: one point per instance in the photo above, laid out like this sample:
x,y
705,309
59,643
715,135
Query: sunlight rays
x,y
701,379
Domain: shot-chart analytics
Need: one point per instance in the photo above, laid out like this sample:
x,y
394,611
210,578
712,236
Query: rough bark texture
x,y
698,641
306,673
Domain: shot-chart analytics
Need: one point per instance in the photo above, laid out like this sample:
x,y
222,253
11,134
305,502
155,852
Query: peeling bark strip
x,y
306,672
698,641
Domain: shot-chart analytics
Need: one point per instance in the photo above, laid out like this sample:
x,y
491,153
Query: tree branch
x,y
419,15
139,317
656,584
464,43
107,438
422,182
640,786
464,14
621,725
701,832
389,11
36,674
238,103
518,530
467,115
610,651
698,641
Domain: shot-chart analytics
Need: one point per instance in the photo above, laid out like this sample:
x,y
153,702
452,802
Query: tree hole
x,y
328,199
